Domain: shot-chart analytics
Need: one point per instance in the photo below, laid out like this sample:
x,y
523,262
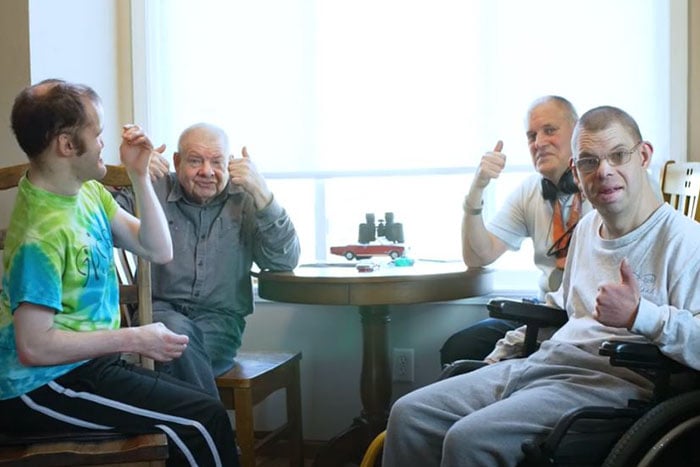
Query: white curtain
x,y
387,105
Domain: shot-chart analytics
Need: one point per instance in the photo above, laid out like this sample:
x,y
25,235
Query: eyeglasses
x,y
560,247
589,164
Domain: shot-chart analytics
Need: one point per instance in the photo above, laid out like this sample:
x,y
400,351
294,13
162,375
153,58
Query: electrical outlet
x,y
403,365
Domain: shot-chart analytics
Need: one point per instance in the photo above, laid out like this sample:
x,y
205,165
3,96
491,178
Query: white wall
x,y
84,41
330,340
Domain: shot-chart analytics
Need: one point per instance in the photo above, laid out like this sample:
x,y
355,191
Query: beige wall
x,y
694,80
14,63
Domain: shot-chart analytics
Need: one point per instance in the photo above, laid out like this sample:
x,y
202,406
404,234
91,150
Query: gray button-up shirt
x,y
215,245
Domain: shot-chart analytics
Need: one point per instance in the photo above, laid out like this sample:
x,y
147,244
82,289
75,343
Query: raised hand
x,y
158,165
491,165
244,174
617,303
135,149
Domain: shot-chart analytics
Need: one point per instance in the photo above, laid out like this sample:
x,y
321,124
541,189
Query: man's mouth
x,y
606,191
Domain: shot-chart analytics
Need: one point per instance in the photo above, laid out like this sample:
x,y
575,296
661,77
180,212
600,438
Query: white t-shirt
x,y
526,214
664,254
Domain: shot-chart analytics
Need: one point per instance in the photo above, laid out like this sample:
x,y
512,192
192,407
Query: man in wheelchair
x,y
632,272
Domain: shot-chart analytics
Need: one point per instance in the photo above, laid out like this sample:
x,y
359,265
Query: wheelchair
x,y
661,432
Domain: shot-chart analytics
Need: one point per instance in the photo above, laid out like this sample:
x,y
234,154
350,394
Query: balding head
x,y
564,105
549,124
203,131
201,162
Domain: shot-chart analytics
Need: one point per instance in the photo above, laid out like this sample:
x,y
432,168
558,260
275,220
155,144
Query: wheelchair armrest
x,y
648,361
534,316
528,313
638,355
459,367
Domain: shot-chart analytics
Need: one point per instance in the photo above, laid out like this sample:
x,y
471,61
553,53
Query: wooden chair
x,y
88,447
72,449
254,377
680,186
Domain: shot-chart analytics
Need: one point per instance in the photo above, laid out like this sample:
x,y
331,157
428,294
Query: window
x,y
387,106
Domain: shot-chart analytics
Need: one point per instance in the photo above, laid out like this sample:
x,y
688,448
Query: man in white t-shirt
x,y
545,208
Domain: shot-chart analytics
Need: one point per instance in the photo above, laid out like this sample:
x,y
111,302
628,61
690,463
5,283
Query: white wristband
x,y
470,210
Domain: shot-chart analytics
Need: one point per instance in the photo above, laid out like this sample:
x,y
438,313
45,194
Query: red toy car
x,y
363,251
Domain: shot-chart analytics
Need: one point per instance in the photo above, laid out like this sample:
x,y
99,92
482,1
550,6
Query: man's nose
x,y
604,167
540,140
207,169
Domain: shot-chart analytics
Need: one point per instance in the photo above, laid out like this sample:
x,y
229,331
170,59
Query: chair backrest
x,y
133,291
680,186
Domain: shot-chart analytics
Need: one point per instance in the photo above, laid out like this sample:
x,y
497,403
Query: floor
x,y
282,462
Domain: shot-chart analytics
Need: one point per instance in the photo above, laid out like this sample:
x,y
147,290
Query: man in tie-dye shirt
x,y
60,338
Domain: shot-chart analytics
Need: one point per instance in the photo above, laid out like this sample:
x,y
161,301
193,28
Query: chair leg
x,y
245,428
293,402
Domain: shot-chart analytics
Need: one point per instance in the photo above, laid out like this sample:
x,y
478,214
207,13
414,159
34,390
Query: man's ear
x,y
176,159
646,150
64,145
574,172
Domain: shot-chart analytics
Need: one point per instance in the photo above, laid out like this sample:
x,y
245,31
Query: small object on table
x,y
403,262
367,267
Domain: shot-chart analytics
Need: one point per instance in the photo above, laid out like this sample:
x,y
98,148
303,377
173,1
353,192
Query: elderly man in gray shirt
x,y
222,218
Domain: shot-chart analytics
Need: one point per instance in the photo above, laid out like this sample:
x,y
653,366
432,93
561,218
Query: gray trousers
x,y
214,342
483,417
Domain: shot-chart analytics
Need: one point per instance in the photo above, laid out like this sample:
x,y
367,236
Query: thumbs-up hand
x,y
244,173
158,165
491,165
617,304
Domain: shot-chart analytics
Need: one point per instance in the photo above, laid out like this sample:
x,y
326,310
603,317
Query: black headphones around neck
x,y
566,185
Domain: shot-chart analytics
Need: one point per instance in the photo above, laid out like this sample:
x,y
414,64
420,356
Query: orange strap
x,y
558,230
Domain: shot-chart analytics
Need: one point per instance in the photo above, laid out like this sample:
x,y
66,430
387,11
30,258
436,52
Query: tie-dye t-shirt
x,y
58,254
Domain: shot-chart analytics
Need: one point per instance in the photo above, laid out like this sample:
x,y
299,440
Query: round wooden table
x,y
372,292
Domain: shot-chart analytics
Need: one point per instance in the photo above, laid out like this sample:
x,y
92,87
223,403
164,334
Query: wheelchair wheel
x,y
667,435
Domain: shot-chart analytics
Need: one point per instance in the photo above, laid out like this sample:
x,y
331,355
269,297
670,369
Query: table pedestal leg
x,y
375,390
375,384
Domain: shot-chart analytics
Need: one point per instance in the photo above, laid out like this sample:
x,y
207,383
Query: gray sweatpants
x,y
483,417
